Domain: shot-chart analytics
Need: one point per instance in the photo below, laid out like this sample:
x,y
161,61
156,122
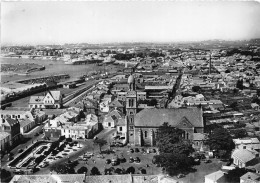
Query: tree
x,y
235,174
238,133
220,139
100,143
82,169
196,88
118,171
63,169
95,171
173,163
54,145
239,84
69,139
169,140
81,114
130,170
5,174
153,102
143,171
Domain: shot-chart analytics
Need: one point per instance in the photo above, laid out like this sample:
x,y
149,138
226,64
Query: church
x,y
142,125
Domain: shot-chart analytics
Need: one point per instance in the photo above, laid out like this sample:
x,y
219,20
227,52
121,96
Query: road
x,y
174,89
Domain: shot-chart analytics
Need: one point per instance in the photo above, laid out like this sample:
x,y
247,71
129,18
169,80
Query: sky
x,y
132,21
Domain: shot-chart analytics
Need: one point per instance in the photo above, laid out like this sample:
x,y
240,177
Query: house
x,y
12,126
255,106
215,177
52,99
122,127
103,106
88,106
115,104
250,177
244,157
198,140
26,125
82,178
247,143
147,121
6,141
111,119
79,130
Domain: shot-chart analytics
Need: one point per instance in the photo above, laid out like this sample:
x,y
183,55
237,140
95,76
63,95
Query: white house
x,y
52,99
5,139
104,106
215,177
244,157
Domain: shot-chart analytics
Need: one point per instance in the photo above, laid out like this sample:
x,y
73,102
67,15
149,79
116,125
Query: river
x,y
51,68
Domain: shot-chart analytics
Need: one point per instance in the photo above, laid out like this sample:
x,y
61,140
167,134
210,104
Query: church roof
x,y
156,117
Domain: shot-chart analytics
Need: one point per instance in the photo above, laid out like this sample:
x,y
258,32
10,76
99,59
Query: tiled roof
x,y
243,155
156,117
54,178
36,100
55,94
215,175
24,122
253,176
3,135
11,121
109,179
115,103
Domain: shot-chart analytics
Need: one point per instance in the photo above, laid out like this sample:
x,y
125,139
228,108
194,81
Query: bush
x,y
61,138
69,139
143,171
83,169
95,171
130,170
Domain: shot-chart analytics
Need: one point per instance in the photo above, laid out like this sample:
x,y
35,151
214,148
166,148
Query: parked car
x,y
119,144
122,160
131,160
20,150
108,161
137,160
100,156
180,175
207,161
137,150
153,150
114,162
20,172
89,154
131,150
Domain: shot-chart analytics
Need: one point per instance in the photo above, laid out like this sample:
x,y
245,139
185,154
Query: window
x,y
120,128
145,134
131,127
131,120
13,116
69,131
